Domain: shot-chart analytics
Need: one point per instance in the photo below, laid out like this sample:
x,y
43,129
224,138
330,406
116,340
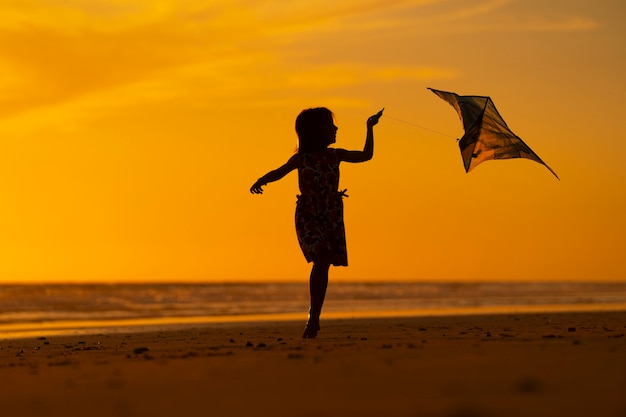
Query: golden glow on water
x,y
64,328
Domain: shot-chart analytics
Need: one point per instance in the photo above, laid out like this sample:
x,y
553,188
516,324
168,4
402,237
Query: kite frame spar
x,y
487,135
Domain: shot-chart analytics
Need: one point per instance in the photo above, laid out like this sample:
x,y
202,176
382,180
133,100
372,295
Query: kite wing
x,y
486,134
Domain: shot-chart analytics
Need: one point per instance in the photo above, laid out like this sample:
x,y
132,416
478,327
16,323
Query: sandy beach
x,y
553,364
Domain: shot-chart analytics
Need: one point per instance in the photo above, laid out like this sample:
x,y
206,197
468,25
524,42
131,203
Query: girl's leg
x,y
318,283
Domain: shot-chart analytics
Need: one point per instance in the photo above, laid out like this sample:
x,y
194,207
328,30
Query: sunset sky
x,y
132,130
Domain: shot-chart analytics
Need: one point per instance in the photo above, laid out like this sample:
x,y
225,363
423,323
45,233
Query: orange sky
x,y
132,131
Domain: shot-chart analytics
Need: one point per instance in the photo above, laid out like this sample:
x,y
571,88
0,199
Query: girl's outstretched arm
x,y
368,150
275,175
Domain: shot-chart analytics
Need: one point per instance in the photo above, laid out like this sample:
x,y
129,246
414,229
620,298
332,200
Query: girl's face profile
x,y
330,132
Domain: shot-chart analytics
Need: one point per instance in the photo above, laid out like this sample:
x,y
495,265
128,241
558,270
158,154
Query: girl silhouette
x,y
319,208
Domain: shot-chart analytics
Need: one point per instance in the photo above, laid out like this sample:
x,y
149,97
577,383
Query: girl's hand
x,y
373,120
257,188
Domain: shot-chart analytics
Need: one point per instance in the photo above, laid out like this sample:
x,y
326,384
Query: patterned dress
x,y
319,209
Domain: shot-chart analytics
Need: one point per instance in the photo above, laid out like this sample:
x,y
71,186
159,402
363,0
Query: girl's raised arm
x,y
275,175
368,150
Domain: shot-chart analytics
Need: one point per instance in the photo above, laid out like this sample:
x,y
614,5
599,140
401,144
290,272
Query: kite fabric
x,y
486,134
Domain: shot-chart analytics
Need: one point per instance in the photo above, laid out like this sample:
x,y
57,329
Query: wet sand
x,y
555,364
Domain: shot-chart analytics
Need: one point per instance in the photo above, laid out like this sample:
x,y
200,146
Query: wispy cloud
x,y
338,75
53,52
458,16
61,51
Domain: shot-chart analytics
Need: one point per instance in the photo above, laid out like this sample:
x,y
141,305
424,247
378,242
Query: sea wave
x,y
89,305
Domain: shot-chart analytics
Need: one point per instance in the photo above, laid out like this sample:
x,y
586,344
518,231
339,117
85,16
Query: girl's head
x,y
316,129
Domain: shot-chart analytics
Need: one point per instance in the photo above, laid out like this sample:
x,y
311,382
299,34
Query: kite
x,y
486,134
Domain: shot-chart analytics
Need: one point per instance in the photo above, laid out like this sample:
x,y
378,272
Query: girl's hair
x,y
310,125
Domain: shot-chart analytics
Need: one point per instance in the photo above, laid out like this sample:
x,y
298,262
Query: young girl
x,y
319,209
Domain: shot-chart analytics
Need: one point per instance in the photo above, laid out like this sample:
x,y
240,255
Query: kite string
x,y
418,126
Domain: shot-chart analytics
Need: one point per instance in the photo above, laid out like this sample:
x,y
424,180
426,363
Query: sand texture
x,y
559,364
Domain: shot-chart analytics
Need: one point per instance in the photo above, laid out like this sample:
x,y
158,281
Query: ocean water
x,y
54,309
